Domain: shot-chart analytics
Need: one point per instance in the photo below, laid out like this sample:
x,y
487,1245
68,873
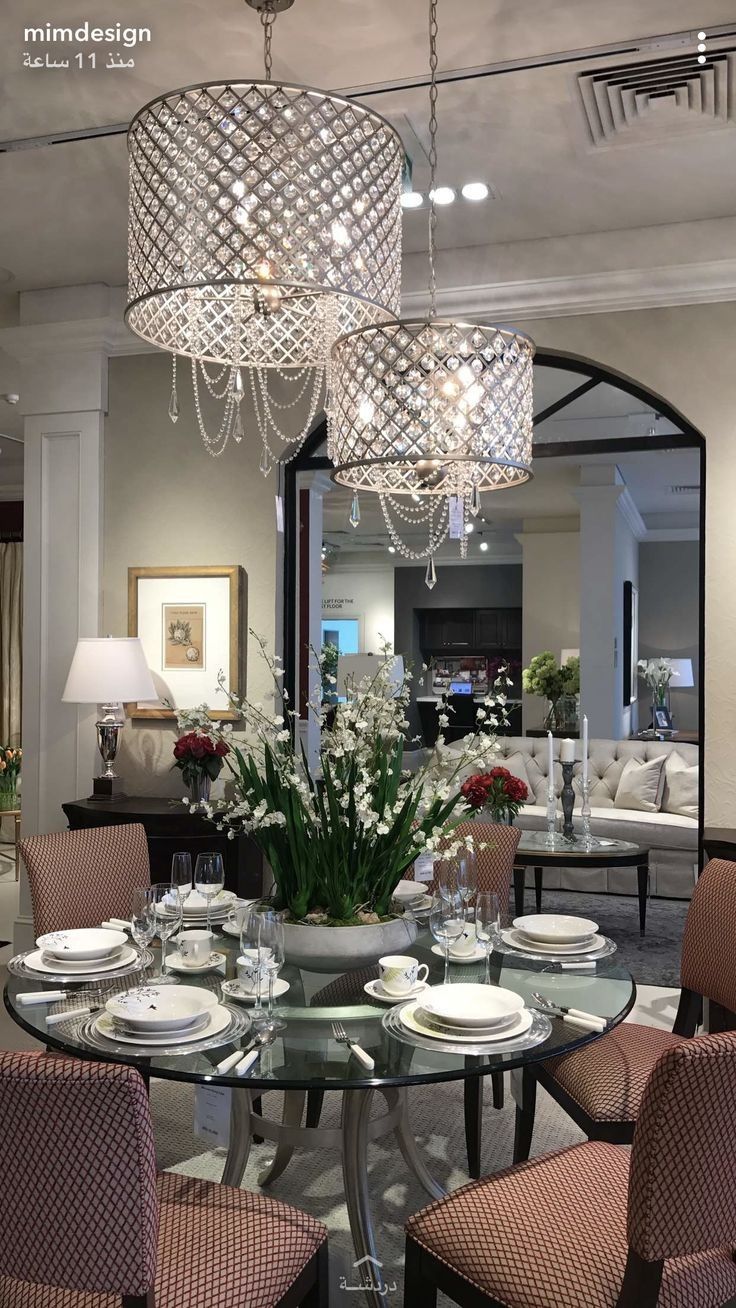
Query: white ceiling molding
x,y
671,533
631,515
595,292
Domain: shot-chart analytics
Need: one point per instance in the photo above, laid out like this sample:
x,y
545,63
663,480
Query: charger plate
x,y
17,967
86,1032
537,1032
504,946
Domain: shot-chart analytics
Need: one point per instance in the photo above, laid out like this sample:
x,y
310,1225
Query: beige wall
x,y
551,603
687,355
167,501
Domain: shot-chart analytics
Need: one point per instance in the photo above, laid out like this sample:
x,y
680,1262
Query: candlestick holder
x,y
551,815
586,816
568,801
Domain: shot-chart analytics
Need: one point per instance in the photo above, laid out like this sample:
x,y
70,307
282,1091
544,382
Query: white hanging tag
x,y
212,1114
456,516
424,867
279,513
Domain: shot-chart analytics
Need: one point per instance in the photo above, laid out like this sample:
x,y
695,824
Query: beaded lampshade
x,y
264,221
431,408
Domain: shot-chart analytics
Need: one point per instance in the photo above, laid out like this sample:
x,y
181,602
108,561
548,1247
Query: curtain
x,y
11,634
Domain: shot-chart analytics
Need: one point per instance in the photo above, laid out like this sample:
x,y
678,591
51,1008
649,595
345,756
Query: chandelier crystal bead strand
x,y
426,412
264,221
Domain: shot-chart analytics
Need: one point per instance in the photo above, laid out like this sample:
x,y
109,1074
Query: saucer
x,y
478,955
175,961
376,991
232,990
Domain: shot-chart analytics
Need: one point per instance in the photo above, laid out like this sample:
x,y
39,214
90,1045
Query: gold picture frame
x,y
190,629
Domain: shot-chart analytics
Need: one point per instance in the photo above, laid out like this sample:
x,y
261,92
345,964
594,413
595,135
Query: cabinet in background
x,y
470,630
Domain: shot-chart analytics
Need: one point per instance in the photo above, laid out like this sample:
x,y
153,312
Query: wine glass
x,y
209,879
272,948
168,911
181,872
143,916
467,876
487,925
445,926
253,957
445,872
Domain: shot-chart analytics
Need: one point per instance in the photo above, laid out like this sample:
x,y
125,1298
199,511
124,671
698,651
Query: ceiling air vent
x,y
684,490
639,102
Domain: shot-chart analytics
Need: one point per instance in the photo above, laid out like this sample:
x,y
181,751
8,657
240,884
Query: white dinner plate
x,y
219,1021
89,964
175,961
556,928
407,890
81,944
37,963
234,990
518,940
160,1008
376,991
477,956
467,1004
413,1022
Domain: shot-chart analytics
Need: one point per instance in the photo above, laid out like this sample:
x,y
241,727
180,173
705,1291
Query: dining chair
x,y
596,1225
600,1084
82,878
88,1223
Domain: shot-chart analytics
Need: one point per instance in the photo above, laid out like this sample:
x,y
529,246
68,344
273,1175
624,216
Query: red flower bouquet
x,y
198,756
498,790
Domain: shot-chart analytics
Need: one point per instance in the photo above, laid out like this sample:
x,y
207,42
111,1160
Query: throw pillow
x,y
517,767
640,785
681,788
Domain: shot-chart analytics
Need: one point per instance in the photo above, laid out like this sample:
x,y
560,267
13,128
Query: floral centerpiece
x,y
340,835
498,791
657,674
197,755
10,763
559,685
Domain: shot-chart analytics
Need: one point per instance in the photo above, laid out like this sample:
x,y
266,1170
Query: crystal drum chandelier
x,y
428,413
265,220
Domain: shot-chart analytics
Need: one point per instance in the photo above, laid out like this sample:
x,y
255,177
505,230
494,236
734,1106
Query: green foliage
x,y
545,677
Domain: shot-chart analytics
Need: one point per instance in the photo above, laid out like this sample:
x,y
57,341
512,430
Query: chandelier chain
x,y
268,18
432,155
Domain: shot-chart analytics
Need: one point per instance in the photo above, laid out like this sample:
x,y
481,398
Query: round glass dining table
x,y
305,1060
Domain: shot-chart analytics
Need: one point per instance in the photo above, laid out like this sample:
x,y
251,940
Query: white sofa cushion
x,y
681,787
641,785
652,830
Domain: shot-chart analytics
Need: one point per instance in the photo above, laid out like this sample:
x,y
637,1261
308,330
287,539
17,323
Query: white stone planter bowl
x,y
332,949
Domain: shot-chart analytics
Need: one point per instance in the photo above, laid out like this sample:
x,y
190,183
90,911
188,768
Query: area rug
x,y
652,960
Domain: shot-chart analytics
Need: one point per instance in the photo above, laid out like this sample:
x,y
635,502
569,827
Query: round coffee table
x,y
539,850
306,1058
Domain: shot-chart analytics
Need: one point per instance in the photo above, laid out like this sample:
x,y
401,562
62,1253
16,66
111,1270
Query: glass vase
x,y
199,789
562,714
8,800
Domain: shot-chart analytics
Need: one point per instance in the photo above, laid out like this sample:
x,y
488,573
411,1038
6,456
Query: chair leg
x,y
257,1107
138,1300
473,1123
497,1084
525,1117
419,1292
317,1296
315,1099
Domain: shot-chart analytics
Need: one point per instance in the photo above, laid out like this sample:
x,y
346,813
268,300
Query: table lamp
x,y
108,670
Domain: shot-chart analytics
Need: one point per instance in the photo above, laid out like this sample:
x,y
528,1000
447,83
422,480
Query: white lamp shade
x,y
682,674
108,670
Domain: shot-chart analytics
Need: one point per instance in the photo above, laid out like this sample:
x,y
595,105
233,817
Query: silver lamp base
x,y
108,785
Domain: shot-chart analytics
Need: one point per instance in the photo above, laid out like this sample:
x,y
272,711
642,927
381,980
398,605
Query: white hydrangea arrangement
x,y
339,841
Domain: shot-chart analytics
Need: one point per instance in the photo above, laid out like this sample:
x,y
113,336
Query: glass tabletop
x,y
540,842
306,1056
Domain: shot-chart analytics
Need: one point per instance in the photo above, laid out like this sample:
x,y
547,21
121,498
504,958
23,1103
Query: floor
x,y
313,1182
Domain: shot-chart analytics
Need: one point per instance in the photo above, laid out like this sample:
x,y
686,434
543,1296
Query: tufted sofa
x,y
672,838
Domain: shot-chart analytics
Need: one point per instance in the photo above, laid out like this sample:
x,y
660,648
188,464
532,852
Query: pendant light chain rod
x,y
268,18
432,155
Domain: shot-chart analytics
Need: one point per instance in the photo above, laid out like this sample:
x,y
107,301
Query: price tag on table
x,y
456,516
212,1114
424,867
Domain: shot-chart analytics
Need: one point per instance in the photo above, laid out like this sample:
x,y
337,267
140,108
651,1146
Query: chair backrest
x,y
81,878
495,844
709,941
682,1184
78,1205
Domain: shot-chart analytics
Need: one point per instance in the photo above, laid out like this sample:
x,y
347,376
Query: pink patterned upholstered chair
x,y
597,1226
600,1084
81,878
87,1223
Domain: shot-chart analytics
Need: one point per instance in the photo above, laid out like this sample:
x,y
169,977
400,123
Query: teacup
x,y
195,947
247,970
400,973
465,944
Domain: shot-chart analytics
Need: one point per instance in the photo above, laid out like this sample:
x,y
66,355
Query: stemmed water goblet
x,y
181,872
487,925
253,959
446,881
168,915
466,877
143,925
446,925
272,946
209,879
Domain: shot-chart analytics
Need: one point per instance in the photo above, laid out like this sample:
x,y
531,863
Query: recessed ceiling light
x,y
475,191
701,36
701,59
412,200
443,195
484,545
469,527
701,47
392,549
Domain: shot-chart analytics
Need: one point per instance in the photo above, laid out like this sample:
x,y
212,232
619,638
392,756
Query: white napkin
x,y
115,924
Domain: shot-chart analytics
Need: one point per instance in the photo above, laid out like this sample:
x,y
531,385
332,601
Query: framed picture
x,y
631,643
190,622
662,718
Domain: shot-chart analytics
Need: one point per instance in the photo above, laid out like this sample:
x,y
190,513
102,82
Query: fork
x,y
573,1016
342,1038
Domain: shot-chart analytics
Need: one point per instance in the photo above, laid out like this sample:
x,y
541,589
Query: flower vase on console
x,y
498,793
199,758
10,761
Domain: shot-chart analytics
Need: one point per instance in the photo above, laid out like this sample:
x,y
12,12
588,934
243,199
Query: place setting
x,y
152,1019
85,953
399,977
555,938
468,1017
